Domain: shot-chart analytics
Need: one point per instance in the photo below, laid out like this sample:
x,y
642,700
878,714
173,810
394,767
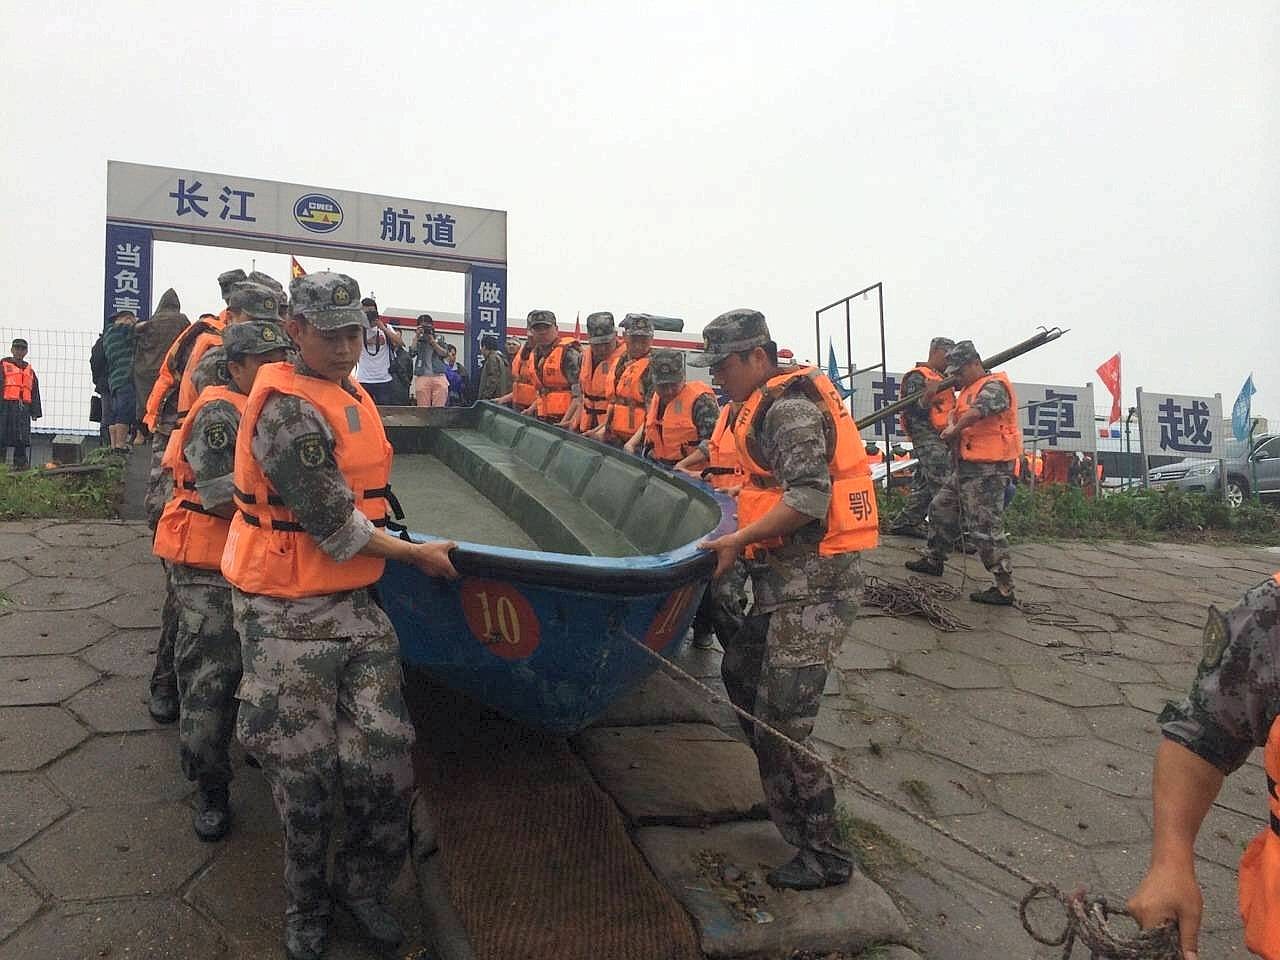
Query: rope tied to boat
x,y
1087,917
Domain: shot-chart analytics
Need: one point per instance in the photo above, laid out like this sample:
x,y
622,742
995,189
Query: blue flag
x,y
833,371
1240,413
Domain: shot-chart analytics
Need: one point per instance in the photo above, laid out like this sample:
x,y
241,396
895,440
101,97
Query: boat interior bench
x,y
569,494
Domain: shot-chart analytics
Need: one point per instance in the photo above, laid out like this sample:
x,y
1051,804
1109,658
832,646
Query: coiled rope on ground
x,y
914,598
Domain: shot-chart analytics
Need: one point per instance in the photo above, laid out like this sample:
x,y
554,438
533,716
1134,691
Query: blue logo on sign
x,y
318,213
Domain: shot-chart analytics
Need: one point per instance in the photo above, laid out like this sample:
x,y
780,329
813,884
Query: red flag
x,y
1110,374
295,269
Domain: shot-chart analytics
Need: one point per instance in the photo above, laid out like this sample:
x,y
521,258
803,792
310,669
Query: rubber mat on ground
x,y
537,857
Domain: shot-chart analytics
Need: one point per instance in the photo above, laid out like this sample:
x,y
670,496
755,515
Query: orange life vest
x,y
725,469
554,393
267,551
18,380
173,365
524,385
1259,880
992,439
674,435
598,384
188,533
186,387
627,410
944,401
852,518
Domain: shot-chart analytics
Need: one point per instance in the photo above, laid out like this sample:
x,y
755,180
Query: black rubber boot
x,y
163,705
810,871
375,922
992,596
304,937
212,819
934,568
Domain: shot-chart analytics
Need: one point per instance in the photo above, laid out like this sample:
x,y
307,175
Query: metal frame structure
x,y
883,365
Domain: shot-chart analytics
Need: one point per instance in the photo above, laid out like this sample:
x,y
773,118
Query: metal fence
x,y
61,362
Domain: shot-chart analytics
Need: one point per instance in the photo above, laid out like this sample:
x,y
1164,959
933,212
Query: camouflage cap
x,y
254,336
941,343
600,328
731,333
962,353
229,279
637,325
540,318
667,366
328,300
255,299
257,276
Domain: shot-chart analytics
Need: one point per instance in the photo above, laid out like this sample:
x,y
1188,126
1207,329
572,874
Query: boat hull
x,y
547,637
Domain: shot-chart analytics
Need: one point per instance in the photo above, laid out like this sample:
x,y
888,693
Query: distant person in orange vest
x,y
557,368
21,405
985,432
523,397
161,418
599,369
923,422
1232,708
806,510
190,536
633,384
321,705
681,414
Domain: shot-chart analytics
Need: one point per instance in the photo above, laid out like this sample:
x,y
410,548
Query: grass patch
x,y
919,793
878,852
31,495
1057,512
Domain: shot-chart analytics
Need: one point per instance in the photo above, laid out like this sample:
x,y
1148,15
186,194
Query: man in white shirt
x,y
373,369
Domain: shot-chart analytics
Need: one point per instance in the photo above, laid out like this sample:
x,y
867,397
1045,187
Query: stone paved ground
x,y
1033,740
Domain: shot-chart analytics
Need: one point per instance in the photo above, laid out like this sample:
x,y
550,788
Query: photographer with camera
x,y
373,369
430,353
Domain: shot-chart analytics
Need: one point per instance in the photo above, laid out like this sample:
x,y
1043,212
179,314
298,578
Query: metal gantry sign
x,y
146,203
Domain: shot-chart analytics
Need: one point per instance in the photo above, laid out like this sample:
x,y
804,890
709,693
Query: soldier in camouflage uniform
x,y
163,702
804,602
207,648
544,334
321,702
667,369
1232,708
974,494
637,332
933,457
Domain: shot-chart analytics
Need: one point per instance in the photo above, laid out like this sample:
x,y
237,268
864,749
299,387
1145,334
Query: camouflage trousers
x,y
163,674
933,464
328,722
723,605
159,483
776,668
159,489
207,659
979,502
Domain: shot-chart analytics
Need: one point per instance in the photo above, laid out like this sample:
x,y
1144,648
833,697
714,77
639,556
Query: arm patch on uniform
x,y
311,451
1216,636
216,436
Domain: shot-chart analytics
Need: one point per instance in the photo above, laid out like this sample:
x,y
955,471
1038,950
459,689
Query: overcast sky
x,y
1112,168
